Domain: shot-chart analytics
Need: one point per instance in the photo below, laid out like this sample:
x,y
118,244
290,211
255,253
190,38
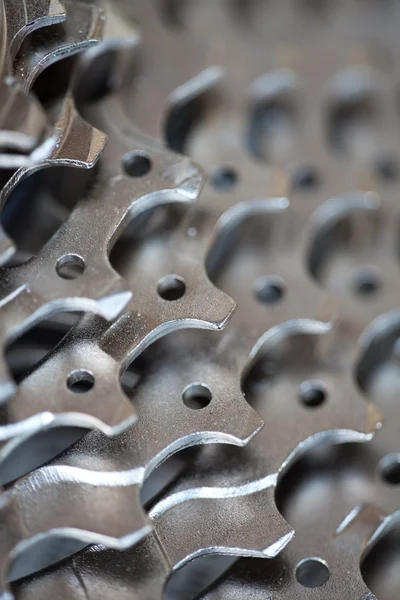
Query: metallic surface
x,y
173,180
229,236
22,121
97,573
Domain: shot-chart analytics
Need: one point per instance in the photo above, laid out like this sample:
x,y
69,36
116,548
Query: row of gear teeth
x,y
190,345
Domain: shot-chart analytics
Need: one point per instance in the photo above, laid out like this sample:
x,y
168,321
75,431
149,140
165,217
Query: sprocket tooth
x,y
23,122
290,250
40,50
172,179
267,455
96,573
24,17
97,277
48,482
23,126
72,143
24,417
176,427
82,28
348,417
277,378
221,521
348,545
26,547
194,69
96,569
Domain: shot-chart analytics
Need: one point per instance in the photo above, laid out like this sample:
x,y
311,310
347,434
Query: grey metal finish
x,y
38,288
229,236
23,121
97,573
346,547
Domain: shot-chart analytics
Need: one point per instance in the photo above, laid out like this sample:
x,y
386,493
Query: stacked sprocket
x,y
200,280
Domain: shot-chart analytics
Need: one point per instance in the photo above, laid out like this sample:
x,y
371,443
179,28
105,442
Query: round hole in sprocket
x,y
70,266
269,289
367,282
196,396
224,179
80,381
312,572
312,393
305,178
171,288
136,164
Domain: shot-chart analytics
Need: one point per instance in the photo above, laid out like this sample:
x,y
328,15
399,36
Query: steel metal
x,y
23,121
98,573
173,179
314,504
57,533
72,142
22,307
292,112
348,545
139,573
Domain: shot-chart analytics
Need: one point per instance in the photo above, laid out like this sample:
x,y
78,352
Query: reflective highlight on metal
x,y
199,314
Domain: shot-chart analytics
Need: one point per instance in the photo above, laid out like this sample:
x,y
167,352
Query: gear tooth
x,y
28,60
113,305
56,8
50,485
231,523
23,122
205,268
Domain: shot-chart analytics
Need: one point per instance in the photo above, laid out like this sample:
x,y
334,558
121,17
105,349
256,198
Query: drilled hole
x,y
305,178
136,164
366,283
196,396
171,287
269,290
312,393
224,179
70,266
386,169
80,382
390,469
312,572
